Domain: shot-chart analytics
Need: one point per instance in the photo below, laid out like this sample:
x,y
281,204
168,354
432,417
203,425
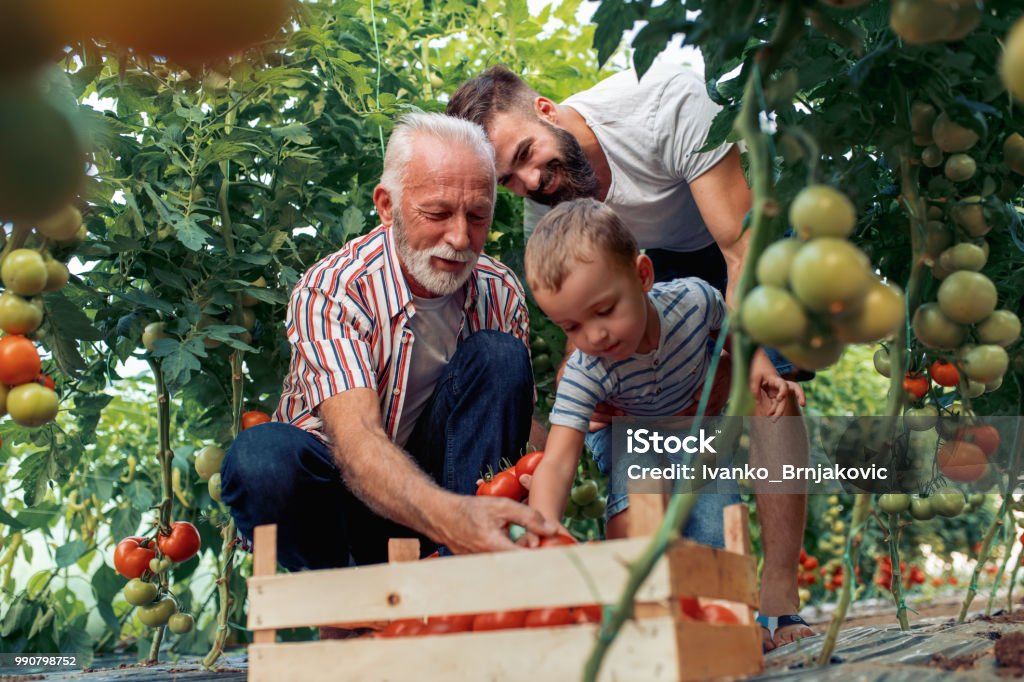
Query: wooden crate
x,y
657,645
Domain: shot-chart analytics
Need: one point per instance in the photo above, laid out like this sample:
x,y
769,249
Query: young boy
x,y
643,348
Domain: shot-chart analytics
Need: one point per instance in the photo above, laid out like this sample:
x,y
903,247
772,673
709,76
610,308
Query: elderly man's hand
x,y
480,524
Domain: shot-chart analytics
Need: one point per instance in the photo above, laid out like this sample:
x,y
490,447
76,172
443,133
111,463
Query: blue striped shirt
x,y
348,325
657,384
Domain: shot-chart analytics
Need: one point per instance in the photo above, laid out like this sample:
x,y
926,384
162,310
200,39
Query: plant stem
x,y
861,508
165,457
1008,539
896,586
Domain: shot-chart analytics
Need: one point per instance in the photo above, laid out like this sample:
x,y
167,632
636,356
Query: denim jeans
x,y
705,523
480,412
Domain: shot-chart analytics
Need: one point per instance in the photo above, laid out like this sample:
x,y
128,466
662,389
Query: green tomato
x,y
1002,328
773,317
921,509
157,613
213,486
31,404
180,623
822,211
139,592
158,566
208,461
585,493
57,275
19,315
921,418
774,263
24,272
62,225
152,332
595,510
948,502
882,363
894,503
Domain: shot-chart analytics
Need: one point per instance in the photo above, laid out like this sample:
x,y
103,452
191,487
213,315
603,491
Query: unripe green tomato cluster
x,y
818,292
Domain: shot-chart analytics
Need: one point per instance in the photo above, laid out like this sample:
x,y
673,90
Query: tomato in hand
x,y
502,484
557,540
254,418
19,360
527,464
548,617
182,543
132,556
944,373
499,620
915,385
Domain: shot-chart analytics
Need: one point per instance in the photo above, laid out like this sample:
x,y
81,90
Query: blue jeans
x,y
480,412
705,523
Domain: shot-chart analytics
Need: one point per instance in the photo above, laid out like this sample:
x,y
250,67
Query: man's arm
x,y
392,485
723,198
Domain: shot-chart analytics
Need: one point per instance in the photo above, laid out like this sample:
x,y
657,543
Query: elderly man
x,y
633,145
409,376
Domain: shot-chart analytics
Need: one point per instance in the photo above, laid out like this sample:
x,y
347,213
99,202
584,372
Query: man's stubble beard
x,y
572,168
417,262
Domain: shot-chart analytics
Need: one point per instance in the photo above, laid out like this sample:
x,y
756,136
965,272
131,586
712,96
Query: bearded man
x,y
409,377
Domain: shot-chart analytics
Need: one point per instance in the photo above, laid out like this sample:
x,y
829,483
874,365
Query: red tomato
x,y
502,484
254,418
499,620
985,436
437,629
557,540
917,575
837,579
404,627
19,360
132,556
944,373
915,384
182,544
588,613
961,461
461,622
548,618
936,581
717,613
953,580
44,380
810,563
691,608
527,464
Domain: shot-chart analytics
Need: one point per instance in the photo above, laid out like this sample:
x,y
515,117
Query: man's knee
x,y
261,464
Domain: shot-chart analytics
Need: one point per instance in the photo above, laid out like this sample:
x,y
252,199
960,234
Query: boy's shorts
x,y
705,524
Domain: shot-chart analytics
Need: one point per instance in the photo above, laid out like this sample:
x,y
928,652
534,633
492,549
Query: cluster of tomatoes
x,y
26,393
817,291
506,483
883,574
832,574
808,573
136,559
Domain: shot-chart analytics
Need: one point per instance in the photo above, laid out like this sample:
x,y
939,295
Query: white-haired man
x,y
410,374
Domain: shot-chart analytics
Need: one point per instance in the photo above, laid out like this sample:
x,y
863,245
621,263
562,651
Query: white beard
x,y
418,267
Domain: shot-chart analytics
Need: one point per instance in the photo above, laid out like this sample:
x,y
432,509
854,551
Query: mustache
x,y
448,253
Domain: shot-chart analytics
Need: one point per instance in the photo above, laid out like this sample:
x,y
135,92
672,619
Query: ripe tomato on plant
x,y
944,373
502,484
527,464
985,436
19,360
254,418
915,385
810,563
961,461
181,544
548,617
132,556
47,381
499,620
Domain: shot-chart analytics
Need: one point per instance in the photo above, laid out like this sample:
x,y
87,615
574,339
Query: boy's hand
x,y
602,417
775,392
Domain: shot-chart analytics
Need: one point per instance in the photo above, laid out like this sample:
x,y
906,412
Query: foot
x,y
778,631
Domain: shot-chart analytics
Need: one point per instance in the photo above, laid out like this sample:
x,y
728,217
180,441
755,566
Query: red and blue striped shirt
x,y
348,324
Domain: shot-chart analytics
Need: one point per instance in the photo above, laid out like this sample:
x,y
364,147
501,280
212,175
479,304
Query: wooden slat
x,y
646,512
643,652
701,571
737,539
264,563
708,651
560,576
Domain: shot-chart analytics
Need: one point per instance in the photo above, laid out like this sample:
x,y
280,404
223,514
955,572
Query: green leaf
x,y
69,553
79,642
125,521
68,320
178,365
352,222
35,473
190,234
613,18
296,133
9,521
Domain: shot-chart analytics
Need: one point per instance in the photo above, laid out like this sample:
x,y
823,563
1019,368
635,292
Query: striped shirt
x,y
657,384
348,325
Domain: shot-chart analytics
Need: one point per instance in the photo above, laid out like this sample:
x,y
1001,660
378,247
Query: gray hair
x,y
454,132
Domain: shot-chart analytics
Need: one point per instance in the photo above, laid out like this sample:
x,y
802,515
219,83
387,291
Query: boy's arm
x,y
553,478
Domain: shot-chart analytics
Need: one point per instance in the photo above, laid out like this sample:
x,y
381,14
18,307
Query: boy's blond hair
x,y
573,231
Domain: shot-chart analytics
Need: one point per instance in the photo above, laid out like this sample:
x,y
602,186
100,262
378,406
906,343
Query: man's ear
x,y
645,271
382,200
546,109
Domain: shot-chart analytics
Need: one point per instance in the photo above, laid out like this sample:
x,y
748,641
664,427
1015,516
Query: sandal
x,y
773,623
